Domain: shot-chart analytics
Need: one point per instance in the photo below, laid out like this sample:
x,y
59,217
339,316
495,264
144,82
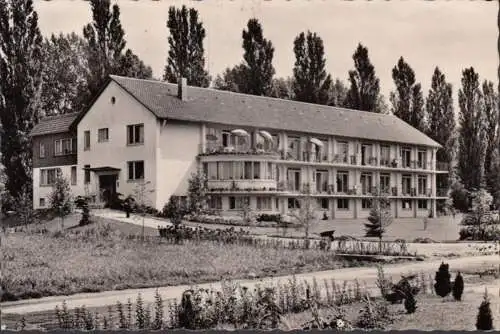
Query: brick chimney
x,y
182,89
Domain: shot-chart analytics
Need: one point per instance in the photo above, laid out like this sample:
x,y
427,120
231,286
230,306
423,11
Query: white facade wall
x,y
43,191
115,153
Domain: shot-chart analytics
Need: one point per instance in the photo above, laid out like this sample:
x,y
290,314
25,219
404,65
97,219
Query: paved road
x,y
364,275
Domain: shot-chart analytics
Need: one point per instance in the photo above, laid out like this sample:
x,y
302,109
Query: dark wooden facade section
x,y
50,158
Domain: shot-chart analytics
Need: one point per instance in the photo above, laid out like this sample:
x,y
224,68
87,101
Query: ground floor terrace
x,y
345,207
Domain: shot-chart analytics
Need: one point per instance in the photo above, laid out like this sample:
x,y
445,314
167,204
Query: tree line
x,y
62,73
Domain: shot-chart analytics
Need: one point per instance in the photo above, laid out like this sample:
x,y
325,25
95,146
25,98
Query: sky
x,y
450,34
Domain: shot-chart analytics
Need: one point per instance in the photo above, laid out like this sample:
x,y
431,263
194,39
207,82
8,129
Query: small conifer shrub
x,y
443,281
410,303
484,320
458,287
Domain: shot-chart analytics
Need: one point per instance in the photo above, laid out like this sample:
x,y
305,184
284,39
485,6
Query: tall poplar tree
x,y
407,100
20,87
311,82
364,91
106,43
258,70
472,133
186,54
491,109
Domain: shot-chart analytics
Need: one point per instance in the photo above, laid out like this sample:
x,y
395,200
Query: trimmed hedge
x,y
475,233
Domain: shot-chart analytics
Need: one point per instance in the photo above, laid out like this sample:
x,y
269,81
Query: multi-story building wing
x,y
257,150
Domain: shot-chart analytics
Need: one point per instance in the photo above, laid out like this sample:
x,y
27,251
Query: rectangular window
x,y
135,134
343,203
406,184
212,171
323,203
256,170
238,170
293,148
65,146
385,183
321,181
248,170
343,151
293,203
385,155
42,202
366,203
237,203
269,171
102,135
342,182
422,184
293,179
86,140
264,203
422,159
215,203
73,175
366,154
86,177
406,157
407,204
422,204
42,150
135,170
48,176
366,183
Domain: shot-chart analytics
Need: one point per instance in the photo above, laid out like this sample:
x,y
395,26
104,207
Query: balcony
x,y
213,148
242,185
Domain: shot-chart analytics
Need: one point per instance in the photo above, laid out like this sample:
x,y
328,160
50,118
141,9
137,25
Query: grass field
x,y
102,256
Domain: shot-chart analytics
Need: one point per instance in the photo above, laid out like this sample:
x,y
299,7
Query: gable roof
x,y
242,110
53,124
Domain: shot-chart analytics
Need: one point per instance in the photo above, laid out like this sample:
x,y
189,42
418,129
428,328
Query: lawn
x,y
102,257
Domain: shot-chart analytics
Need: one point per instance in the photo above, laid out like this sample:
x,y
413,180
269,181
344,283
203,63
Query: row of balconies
x,y
320,157
324,188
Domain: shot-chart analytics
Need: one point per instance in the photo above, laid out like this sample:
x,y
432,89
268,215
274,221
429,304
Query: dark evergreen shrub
x,y
443,280
484,321
410,303
458,287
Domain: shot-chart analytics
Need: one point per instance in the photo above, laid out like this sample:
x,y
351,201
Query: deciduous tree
x,y
20,89
60,198
186,56
364,91
311,82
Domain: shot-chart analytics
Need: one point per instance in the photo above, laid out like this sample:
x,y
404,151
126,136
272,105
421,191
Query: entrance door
x,y
107,187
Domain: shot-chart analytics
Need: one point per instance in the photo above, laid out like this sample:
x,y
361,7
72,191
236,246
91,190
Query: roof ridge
x,y
166,83
48,118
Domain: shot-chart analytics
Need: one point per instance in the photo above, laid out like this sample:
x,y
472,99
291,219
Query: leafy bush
x,y
480,233
442,279
471,219
458,287
174,210
374,315
410,303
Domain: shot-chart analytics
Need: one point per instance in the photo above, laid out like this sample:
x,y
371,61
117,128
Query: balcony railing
x,y
212,148
241,185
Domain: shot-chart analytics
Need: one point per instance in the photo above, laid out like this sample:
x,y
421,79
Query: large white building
x,y
257,149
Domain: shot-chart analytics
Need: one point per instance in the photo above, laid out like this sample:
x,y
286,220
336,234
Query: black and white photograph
x,y
258,165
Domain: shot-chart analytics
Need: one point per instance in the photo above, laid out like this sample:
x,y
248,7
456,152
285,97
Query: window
x,y
215,203
321,180
135,170
42,150
256,170
238,170
86,177
86,140
406,157
407,204
366,154
293,148
343,149
385,155
226,170
42,202
342,182
237,203
343,203
293,203
48,176
422,204
366,183
293,179
422,159
135,134
73,175
323,203
366,203
406,184
422,184
64,146
269,171
385,182
277,203
264,203
102,135
212,171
